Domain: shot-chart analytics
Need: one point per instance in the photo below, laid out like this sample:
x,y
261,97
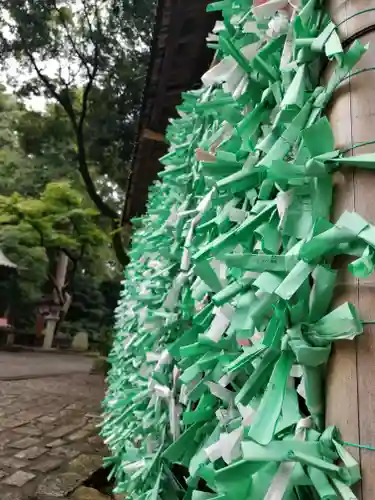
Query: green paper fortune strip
x,y
224,324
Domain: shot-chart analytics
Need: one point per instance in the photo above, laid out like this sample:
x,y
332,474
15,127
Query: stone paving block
x,y
11,422
63,430
47,497
35,409
13,495
81,434
95,440
47,464
85,464
94,416
4,440
84,493
97,444
66,413
12,463
19,478
64,451
24,443
32,414
45,428
29,430
47,419
31,453
55,443
74,406
93,426
58,485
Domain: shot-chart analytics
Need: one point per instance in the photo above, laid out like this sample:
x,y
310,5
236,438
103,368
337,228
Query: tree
x,y
24,165
99,89
56,233
95,298
48,142
35,152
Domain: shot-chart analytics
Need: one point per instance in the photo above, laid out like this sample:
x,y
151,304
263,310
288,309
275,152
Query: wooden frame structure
x,y
350,384
179,56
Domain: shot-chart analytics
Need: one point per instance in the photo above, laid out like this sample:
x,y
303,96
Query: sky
x,y
35,103
50,68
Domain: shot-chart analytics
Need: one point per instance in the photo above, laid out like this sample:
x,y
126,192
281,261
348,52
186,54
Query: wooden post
x,y
351,374
153,136
49,330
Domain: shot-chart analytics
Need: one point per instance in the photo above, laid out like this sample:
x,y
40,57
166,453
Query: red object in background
x,y
4,322
39,325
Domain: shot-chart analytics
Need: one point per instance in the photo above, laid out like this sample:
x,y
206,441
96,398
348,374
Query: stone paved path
x,y
48,438
33,364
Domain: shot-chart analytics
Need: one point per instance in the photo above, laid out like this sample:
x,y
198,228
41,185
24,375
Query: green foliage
x,y
21,244
92,308
59,218
23,168
41,213
87,60
96,96
33,231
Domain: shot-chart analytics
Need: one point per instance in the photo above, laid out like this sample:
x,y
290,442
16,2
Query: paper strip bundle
x,y
225,322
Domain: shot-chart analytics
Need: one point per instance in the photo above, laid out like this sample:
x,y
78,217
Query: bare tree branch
x,y
65,103
73,44
73,74
118,245
87,90
87,17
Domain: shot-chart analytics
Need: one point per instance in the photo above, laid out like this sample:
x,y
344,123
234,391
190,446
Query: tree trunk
x,y
64,311
61,270
351,374
54,315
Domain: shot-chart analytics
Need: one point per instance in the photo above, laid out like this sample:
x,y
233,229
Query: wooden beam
x,y
158,96
175,24
153,136
351,374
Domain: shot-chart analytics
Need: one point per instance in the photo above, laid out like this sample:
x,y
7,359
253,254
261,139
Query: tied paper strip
x,y
283,475
173,408
228,447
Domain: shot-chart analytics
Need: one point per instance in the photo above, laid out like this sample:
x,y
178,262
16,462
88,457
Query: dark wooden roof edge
x,y
153,52
179,56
